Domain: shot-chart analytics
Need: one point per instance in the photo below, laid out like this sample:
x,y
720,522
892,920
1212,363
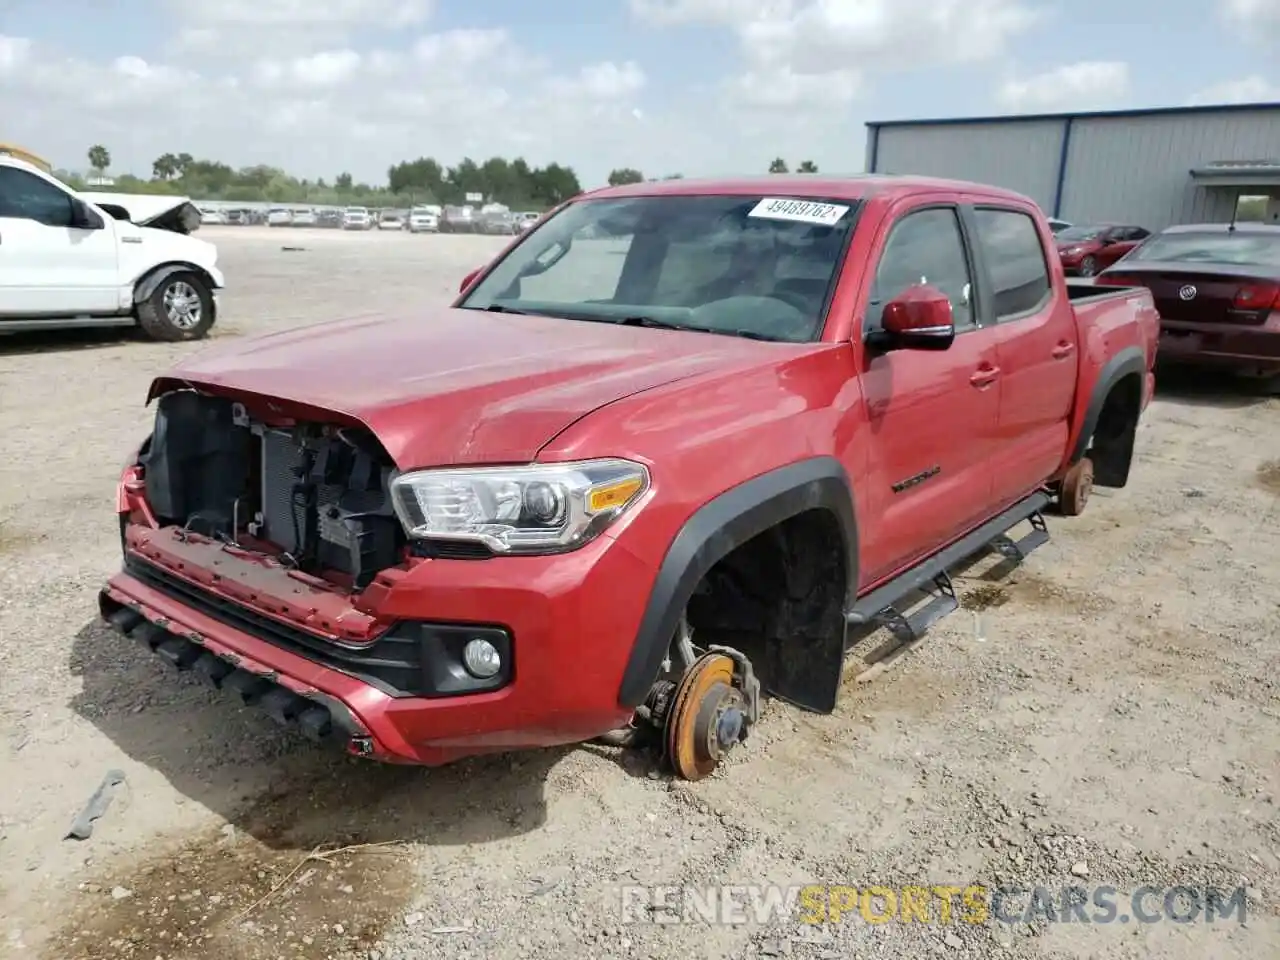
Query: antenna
x,y
1235,212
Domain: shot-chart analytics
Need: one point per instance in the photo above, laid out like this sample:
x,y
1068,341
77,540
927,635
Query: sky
x,y
698,87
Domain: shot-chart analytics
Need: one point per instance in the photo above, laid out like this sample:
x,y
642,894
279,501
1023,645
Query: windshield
x,y
739,265
1079,234
1242,248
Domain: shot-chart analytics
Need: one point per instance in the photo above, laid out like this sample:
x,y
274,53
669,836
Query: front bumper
x,y
570,620
1228,346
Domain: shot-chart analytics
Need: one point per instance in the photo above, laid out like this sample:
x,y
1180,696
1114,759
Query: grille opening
x,y
315,495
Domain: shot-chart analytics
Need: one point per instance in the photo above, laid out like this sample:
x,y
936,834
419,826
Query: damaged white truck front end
x,y
71,259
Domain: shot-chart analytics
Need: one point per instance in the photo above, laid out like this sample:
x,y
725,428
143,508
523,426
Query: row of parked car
x,y
1216,286
423,219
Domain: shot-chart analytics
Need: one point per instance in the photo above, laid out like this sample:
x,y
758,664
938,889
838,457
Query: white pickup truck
x,y
87,260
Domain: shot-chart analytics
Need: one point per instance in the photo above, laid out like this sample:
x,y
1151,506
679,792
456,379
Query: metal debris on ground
x,y
82,828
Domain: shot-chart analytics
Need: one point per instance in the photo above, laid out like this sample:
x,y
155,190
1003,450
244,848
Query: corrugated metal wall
x,y
1131,168
1019,156
1138,168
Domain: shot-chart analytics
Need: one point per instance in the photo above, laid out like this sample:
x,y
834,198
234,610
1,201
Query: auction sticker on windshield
x,y
799,211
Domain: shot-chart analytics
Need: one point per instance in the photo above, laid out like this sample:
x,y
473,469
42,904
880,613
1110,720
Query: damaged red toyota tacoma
x,y
672,449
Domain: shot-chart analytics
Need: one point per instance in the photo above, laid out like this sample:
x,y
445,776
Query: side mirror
x,y
82,218
469,279
919,318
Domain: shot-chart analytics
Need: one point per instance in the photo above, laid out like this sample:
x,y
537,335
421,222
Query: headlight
x,y
540,508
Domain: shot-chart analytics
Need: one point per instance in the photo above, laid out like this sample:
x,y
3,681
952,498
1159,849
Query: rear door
x,y
931,415
1037,352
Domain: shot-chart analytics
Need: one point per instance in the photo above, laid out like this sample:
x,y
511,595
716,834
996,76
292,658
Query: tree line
x,y
513,182
425,180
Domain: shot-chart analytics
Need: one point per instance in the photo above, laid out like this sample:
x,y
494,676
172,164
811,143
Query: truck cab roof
x,y
859,186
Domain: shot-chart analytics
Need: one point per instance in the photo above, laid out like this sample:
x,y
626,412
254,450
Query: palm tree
x,y
165,167
99,158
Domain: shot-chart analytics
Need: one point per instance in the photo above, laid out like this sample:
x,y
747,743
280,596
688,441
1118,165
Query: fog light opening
x,y
481,658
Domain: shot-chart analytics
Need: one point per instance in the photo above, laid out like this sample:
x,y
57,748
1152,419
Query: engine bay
x,y
314,496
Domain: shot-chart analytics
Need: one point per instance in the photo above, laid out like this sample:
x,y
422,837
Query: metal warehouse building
x,y
1146,167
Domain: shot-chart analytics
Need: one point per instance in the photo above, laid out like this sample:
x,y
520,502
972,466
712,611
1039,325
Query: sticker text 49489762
x,y
799,211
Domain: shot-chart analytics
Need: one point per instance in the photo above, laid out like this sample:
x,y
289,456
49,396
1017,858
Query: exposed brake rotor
x,y
709,714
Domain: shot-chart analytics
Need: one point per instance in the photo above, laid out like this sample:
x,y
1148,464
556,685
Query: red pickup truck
x,y
674,447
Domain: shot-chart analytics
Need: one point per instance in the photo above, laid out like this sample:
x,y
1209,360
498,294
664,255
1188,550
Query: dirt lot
x,y
1107,715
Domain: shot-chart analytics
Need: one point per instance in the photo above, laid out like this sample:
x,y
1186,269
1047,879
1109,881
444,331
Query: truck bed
x,y
1079,289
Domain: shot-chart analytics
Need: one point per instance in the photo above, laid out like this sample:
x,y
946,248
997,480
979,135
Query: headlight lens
x,y
540,508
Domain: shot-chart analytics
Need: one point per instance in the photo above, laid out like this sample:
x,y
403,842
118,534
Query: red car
x,y
1217,287
677,433
1086,250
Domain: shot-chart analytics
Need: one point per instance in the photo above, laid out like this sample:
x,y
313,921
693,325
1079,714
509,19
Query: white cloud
x,y
238,14
13,52
1252,89
1089,84
240,29
1253,13
611,81
317,112
327,68
323,86
799,52
462,47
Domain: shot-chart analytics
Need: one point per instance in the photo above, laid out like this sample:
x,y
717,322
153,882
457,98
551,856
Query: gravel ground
x,y
1106,715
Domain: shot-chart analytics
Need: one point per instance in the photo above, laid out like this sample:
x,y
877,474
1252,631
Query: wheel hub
x,y
708,717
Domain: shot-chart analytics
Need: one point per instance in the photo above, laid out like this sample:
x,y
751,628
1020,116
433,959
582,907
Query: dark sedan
x,y
1217,287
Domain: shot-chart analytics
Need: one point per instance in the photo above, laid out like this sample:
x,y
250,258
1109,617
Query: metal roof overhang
x,y
1238,175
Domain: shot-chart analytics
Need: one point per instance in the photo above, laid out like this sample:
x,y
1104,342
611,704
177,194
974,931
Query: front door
x,y
932,415
1037,350
1119,241
47,266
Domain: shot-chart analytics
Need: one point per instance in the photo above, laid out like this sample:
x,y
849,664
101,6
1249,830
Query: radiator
x,y
283,522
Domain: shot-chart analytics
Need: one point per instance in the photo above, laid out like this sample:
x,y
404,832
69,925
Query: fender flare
x,y
1127,361
717,528
150,282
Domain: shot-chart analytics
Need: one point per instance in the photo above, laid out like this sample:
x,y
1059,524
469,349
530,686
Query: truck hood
x,y
461,386
177,214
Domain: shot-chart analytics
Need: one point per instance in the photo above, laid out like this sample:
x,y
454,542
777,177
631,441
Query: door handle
x,y
984,377
1063,350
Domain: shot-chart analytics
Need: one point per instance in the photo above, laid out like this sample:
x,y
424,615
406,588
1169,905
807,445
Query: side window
x,y
1137,233
924,247
1015,258
27,197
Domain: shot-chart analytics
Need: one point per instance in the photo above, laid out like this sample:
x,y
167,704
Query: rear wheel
x,y
180,308
1088,267
1076,487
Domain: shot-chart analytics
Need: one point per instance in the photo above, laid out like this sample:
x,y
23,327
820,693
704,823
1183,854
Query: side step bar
x,y
879,607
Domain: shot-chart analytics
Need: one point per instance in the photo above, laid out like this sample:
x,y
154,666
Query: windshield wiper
x,y
655,323
499,308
